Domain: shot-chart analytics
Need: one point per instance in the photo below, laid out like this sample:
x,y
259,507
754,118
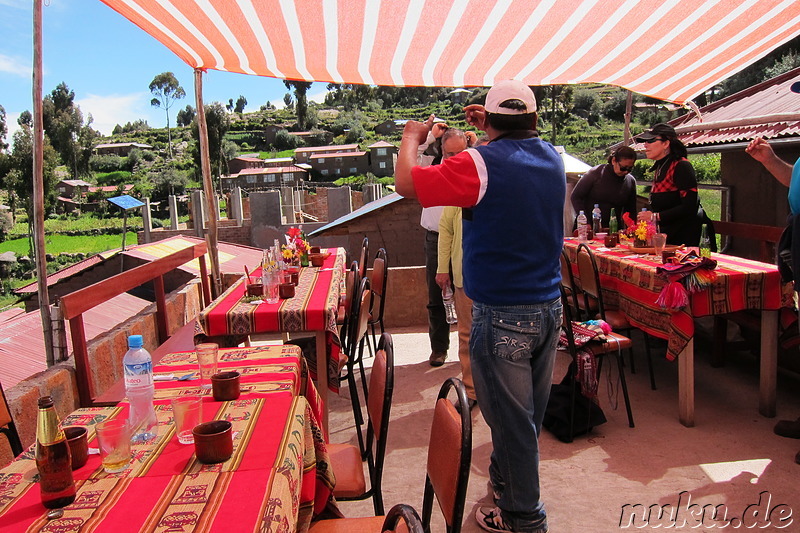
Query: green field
x,y
56,244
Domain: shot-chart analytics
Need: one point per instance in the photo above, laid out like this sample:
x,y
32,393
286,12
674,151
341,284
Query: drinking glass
x,y
187,412
207,359
659,241
114,440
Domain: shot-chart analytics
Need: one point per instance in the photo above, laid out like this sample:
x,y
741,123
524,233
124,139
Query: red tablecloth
x,y
630,283
277,478
313,308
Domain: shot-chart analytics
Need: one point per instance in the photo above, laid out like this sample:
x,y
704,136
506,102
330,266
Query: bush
x,y
286,141
107,163
706,167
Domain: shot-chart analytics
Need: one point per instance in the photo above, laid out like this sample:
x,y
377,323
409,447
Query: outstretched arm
x,y
414,134
761,151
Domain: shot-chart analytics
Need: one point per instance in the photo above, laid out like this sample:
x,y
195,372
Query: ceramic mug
x,y
78,445
213,441
225,386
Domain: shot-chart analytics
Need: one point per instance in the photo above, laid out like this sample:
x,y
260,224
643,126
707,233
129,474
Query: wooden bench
x,y
74,304
767,238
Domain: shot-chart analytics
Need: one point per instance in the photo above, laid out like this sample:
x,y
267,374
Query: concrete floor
x,y
730,457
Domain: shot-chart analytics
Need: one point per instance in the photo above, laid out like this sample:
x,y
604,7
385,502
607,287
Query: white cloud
x,y
15,66
109,110
318,97
11,124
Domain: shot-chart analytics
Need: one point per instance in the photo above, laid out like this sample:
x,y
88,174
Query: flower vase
x,y
304,260
639,243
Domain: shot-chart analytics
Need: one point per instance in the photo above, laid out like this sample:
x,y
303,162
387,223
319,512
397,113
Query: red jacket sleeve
x,y
459,181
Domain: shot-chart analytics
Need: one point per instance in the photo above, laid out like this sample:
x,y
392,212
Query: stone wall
x,y
105,359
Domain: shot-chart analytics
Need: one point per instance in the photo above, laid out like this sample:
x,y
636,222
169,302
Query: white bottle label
x,y
139,375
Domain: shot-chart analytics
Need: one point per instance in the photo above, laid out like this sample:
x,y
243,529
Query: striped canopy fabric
x,y
669,49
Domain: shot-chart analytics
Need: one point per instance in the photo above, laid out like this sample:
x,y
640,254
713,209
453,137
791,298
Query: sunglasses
x,y
651,141
625,169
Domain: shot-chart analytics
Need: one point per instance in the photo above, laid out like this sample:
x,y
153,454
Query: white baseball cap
x,y
509,90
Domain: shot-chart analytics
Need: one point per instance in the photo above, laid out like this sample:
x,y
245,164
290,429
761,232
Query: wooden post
x,y
38,186
628,113
208,186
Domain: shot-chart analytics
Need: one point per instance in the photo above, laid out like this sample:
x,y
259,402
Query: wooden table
x,y
630,283
313,309
276,480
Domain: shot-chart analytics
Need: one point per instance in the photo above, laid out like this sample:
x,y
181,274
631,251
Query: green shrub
x,y
107,163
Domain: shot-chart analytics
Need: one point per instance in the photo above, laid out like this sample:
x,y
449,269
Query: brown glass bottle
x,y
53,458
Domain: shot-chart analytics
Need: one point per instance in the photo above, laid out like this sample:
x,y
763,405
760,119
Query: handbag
x,y
588,414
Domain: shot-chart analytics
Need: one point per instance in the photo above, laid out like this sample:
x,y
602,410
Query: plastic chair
x,y
593,298
612,348
378,281
399,514
7,426
346,458
449,457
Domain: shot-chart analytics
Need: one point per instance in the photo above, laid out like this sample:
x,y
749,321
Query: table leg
x,y
769,363
322,377
686,385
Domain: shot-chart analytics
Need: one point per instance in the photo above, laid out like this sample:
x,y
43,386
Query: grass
x,y
56,244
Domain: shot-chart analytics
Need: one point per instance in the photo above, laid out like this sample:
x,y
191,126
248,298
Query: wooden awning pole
x,y
208,186
38,186
628,113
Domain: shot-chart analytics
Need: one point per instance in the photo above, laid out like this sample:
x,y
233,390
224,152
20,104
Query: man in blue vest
x,y
512,194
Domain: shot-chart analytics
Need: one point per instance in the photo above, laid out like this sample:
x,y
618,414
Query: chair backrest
x,y
359,320
378,281
379,407
449,457
7,426
362,260
402,515
590,278
350,284
567,280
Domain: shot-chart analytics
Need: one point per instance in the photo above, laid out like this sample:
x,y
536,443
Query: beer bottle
x,y
53,458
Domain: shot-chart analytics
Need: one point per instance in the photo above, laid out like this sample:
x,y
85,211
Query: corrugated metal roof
x,y
338,154
22,351
381,144
363,210
771,97
265,170
67,272
22,344
328,148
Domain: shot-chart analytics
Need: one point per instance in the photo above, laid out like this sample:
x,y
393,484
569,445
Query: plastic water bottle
x,y
139,389
597,215
449,304
583,228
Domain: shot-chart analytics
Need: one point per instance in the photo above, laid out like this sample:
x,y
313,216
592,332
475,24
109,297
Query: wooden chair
x,y
7,426
612,348
449,457
345,458
400,518
351,284
593,299
378,281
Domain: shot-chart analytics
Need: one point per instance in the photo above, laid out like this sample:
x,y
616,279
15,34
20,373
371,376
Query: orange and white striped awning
x,y
668,49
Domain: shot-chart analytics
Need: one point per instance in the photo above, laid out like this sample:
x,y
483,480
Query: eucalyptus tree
x,y
166,91
301,103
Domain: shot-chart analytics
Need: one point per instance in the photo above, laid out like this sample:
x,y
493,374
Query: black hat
x,y
659,130
796,87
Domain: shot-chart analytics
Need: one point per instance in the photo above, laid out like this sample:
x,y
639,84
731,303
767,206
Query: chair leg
x,y
624,389
427,505
572,398
357,416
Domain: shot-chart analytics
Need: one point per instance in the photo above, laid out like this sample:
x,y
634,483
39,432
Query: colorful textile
x,y
631,284
277,478
687,274
313,308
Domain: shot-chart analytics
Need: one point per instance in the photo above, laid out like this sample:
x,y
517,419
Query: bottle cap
x,y
45,402
135,341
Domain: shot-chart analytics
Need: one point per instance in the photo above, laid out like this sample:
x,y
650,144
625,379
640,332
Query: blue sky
x,y
109,63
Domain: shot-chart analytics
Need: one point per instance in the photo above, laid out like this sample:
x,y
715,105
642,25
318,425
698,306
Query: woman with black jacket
x,y
673,196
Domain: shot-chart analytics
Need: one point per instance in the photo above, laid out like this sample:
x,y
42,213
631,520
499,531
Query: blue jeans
x,y
512,350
